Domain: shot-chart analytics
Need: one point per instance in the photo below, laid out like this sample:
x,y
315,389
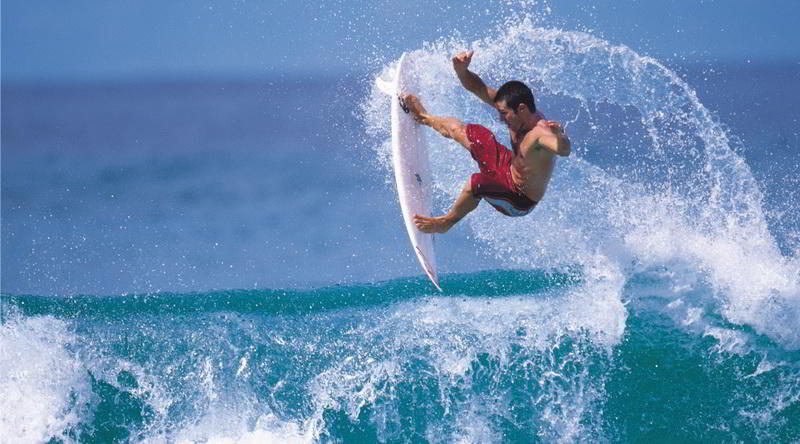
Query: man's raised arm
x,y
471,81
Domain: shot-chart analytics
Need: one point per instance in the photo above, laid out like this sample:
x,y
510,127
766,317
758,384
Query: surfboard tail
x,y
428,269
435,281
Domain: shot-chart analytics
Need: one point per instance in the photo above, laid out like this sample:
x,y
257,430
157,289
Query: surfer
x,y
512,181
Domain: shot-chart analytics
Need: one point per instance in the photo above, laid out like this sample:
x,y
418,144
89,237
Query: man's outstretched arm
x,y
465,203
471,81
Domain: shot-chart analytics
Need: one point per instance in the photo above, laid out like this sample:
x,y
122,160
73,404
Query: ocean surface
x,y
225,260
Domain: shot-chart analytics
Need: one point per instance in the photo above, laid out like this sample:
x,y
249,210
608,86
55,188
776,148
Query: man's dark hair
x,y
514,93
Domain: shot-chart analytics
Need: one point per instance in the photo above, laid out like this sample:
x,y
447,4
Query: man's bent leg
x,y
449,127
465,203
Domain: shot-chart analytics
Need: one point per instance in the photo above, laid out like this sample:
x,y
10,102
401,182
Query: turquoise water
x,y
493,359
188,262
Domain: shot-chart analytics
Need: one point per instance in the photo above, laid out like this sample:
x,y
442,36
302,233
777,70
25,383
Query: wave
x,y
490,283
514,356
334,362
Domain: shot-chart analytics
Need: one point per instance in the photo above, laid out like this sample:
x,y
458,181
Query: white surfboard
x,y
411,166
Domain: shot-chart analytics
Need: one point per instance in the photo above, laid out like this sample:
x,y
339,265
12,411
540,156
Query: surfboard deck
x,y
411,164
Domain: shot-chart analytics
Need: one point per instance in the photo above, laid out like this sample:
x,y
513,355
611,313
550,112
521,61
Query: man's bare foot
x,y
413,104
438,224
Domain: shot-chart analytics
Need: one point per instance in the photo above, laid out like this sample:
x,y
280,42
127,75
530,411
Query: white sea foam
x,y
229,427
467,345
44,387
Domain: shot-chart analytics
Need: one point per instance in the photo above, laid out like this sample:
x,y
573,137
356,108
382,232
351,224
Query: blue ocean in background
x,y
225,261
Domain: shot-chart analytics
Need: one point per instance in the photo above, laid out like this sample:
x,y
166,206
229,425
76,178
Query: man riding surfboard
x,y
512,181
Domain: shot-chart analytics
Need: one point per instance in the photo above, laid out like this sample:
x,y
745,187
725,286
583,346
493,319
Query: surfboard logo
x,y
419,179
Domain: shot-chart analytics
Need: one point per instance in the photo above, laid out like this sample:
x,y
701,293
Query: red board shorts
x,y
494,182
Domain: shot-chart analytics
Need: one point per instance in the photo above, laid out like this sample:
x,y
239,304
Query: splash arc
x,y
411,164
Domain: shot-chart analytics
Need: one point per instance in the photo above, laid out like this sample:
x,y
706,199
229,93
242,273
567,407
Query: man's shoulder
x,y
531,140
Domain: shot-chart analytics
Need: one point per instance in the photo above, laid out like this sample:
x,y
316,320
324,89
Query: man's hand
x,y
471,81
438,224
461,61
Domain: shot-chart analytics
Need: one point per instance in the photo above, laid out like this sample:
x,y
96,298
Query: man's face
x,y
507,115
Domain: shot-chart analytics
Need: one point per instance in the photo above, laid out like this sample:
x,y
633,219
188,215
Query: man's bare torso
x,y
531,169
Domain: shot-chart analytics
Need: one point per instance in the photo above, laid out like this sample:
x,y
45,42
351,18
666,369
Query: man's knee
x,y
455,128
468,189
458,131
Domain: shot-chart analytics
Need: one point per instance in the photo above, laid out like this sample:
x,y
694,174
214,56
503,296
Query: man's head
x,y
514,101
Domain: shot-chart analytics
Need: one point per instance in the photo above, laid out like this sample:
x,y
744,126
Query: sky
x,y
85,40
